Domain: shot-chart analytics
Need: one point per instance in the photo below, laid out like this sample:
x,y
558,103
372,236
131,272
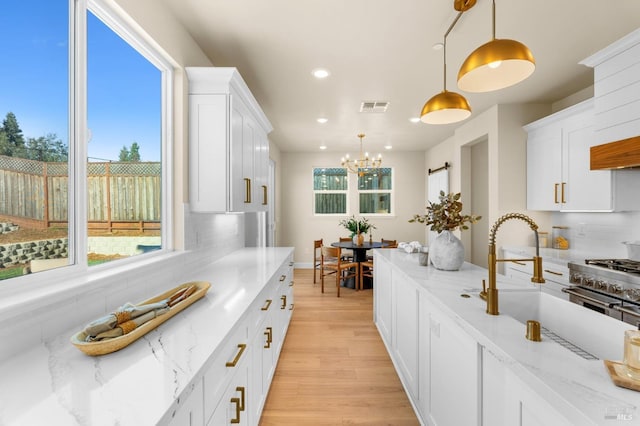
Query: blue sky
x,y
123,87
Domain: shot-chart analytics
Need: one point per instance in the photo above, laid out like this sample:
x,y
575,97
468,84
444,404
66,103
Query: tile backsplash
x,y
601,233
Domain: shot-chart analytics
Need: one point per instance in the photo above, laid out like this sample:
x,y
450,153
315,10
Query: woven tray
x,y
117,343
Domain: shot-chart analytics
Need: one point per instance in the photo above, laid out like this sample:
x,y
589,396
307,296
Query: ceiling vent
x,y
374,106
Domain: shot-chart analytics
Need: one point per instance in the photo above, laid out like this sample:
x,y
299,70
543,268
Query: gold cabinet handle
x,y
239,403
291,263
269,334
554,273
555,193
247,190
283,277
264,195
562,192
266,306
291,284
291,307
284,301
236,419
518,263
233,363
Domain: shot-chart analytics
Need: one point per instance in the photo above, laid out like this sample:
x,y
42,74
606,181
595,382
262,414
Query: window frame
x,y
391,193
315,191
78,272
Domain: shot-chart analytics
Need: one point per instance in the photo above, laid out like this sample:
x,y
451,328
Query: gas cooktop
x,y
623,265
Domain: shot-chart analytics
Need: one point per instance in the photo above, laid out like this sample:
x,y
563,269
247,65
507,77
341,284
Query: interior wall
x,y
300,227
501,127
479,202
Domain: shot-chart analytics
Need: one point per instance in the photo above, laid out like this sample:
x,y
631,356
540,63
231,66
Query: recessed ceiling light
x,y
322,120
414,119
320,73
323,147
387,147
437,46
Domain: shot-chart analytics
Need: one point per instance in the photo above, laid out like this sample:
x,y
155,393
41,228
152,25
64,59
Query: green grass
x,y
10,273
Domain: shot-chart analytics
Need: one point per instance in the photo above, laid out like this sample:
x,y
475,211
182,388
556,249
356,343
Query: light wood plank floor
x,y
334,368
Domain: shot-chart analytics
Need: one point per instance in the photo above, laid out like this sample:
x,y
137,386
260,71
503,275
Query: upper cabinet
x,y
558,171
228,145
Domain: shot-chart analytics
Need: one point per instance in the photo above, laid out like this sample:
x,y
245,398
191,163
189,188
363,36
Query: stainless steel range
x,y
608,286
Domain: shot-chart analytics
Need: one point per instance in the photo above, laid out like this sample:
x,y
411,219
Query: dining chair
x,y
348,254
317,244
331,263
368,264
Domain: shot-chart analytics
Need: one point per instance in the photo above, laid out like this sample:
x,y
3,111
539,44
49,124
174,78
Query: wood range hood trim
x,y
622,154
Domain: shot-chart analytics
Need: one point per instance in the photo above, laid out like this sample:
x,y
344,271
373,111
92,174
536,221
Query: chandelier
x,y
362,165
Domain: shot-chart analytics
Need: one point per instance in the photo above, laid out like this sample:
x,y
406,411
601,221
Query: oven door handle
x,y
590,299
627,311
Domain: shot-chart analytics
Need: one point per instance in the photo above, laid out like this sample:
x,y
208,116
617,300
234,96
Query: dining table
x,y
359,255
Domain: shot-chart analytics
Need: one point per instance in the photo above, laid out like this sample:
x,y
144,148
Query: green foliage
x,y
354,226
45,148
446,215
130,154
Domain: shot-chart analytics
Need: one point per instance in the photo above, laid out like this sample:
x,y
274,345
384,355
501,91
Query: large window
x,y
93,105
330,186
375,190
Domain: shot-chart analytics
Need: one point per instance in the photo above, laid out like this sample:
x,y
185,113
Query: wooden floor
x,y
334,368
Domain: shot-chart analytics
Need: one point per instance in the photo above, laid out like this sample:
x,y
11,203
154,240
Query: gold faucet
x,y
491,294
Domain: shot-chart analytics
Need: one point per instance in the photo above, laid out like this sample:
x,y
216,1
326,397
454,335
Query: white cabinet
x,y
382,302
406,328
454,360
232,406
558,166
191,413
228,145
509,401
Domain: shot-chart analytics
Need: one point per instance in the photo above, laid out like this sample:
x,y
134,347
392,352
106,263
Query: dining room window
x,y
375,191
330,189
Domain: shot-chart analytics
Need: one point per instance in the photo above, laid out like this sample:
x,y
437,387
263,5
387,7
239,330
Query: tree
x,y
47,148
130,154
14,142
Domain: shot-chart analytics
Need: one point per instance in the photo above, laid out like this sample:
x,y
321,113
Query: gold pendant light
x,y
495,65
447,107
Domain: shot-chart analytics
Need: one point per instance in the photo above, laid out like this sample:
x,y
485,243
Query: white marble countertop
x,y
580,389
56,384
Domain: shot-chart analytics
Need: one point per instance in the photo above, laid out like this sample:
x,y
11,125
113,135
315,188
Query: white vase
x,y
446,252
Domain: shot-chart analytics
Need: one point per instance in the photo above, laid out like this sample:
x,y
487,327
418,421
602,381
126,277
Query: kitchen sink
x,y
579,329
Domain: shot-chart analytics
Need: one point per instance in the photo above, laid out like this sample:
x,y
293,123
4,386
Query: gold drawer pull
x,y
555,193
264,195
291,284
247,190
518,263
239,402
269,334
266,306
562,192
291,308
554,273
283,277
284,302
233,363
291,263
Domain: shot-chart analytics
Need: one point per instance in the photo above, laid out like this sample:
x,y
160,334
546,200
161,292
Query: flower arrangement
x,y
355,226
446,215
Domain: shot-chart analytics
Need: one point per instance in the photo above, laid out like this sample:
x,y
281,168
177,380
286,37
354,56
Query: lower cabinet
x,y
449,377
237,378
509,402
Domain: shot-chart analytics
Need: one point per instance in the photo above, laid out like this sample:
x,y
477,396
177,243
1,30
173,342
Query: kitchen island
x,y
460,365
177,374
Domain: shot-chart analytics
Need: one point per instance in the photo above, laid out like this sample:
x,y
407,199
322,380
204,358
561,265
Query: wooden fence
x,y
121,195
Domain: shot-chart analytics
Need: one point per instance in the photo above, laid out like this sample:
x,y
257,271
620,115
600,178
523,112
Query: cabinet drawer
x,y
556,273
224,365
264,304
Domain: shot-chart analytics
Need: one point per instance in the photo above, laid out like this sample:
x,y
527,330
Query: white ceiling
x,y
381,50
